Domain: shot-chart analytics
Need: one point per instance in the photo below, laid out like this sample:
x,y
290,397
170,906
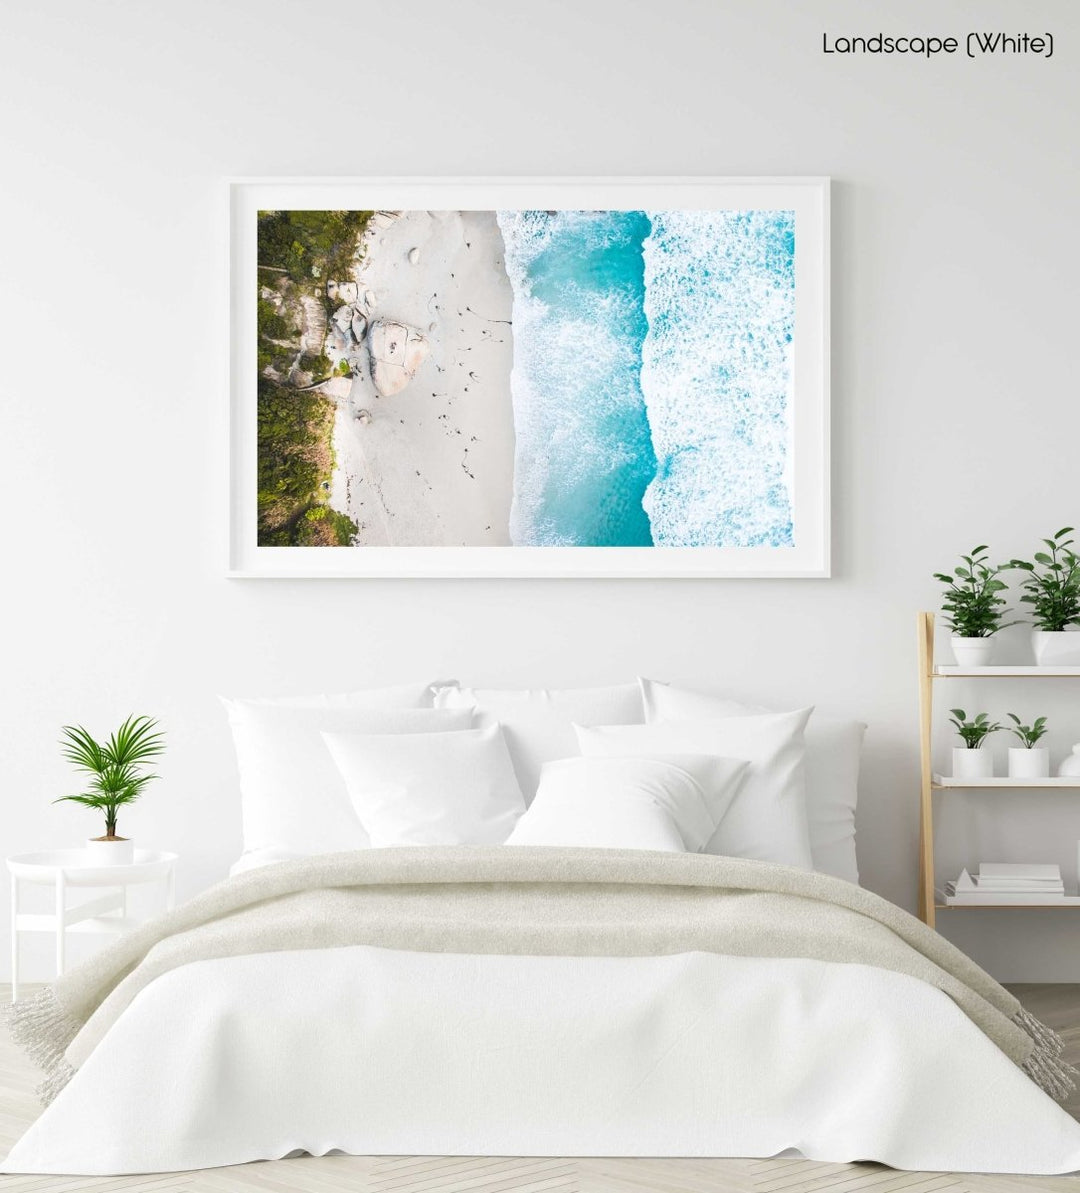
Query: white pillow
x,y
539,722
405,695
767,818
430,788
255,859
672,803
833,750
292,796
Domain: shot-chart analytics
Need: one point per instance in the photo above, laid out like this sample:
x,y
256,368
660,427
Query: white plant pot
x,y
972,652
1029,764
120,852
972,764
1070,764
1056,648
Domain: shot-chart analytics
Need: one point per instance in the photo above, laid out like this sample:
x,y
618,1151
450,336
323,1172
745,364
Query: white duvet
x,y
375,1051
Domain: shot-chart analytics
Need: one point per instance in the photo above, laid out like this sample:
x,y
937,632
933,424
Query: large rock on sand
x,y
397,351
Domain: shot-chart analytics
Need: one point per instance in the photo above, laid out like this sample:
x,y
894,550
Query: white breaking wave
x,y
717,376
578,410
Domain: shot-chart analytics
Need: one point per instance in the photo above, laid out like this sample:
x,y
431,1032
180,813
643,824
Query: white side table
x,y
63,869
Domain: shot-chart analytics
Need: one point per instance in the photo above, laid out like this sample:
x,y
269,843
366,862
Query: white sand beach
x,y
432,464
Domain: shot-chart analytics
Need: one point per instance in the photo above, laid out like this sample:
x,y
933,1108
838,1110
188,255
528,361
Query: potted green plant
x,y
973,607
1052,589
1029,760
970,761
117,778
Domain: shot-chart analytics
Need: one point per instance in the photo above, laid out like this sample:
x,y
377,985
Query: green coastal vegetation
x,y
292,242
295,460
298,251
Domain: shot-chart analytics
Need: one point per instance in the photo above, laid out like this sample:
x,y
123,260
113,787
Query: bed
x,y
604,967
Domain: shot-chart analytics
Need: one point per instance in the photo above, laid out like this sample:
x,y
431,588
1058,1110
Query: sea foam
x,y
584,454
652,377
717,376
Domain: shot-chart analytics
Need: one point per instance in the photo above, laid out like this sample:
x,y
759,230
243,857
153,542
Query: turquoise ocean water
x,y
652,377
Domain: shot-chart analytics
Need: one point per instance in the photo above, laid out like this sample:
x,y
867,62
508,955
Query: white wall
x,y
955,406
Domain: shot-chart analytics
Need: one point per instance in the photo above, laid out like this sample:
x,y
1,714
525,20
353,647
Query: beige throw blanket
x,y
526,901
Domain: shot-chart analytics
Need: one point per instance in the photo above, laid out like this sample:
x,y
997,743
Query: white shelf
x,y
944,902
942,671
1001,781
27,922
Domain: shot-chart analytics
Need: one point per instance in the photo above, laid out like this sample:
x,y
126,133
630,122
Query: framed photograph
x,y
529,377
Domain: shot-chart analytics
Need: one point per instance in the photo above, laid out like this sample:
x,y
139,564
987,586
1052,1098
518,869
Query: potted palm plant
x,y
973,607
970,761
117,778
1029,760
1052,589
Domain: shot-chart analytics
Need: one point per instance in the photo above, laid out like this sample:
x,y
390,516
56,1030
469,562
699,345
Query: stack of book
x,y
1007,882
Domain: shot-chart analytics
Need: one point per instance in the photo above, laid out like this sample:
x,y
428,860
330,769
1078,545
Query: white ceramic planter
x,y
1029,764
1070,764
119,852
1056,648
972,652
972,764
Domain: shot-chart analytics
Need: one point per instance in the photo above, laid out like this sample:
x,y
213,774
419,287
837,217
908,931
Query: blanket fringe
x,y
1046,1065
43,1030
48,1089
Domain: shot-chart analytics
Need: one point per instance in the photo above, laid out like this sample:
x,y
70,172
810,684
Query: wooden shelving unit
x,y
929,673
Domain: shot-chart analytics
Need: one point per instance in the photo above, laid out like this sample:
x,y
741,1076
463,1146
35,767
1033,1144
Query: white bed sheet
x,y
375,1051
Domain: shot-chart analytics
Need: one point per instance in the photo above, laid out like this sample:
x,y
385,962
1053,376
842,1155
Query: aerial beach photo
x,y
526,378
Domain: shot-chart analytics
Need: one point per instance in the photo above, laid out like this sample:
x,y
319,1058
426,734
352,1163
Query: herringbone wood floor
x,y
1057,1005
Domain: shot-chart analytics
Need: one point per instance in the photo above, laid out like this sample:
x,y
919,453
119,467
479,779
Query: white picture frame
x,y
808,197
